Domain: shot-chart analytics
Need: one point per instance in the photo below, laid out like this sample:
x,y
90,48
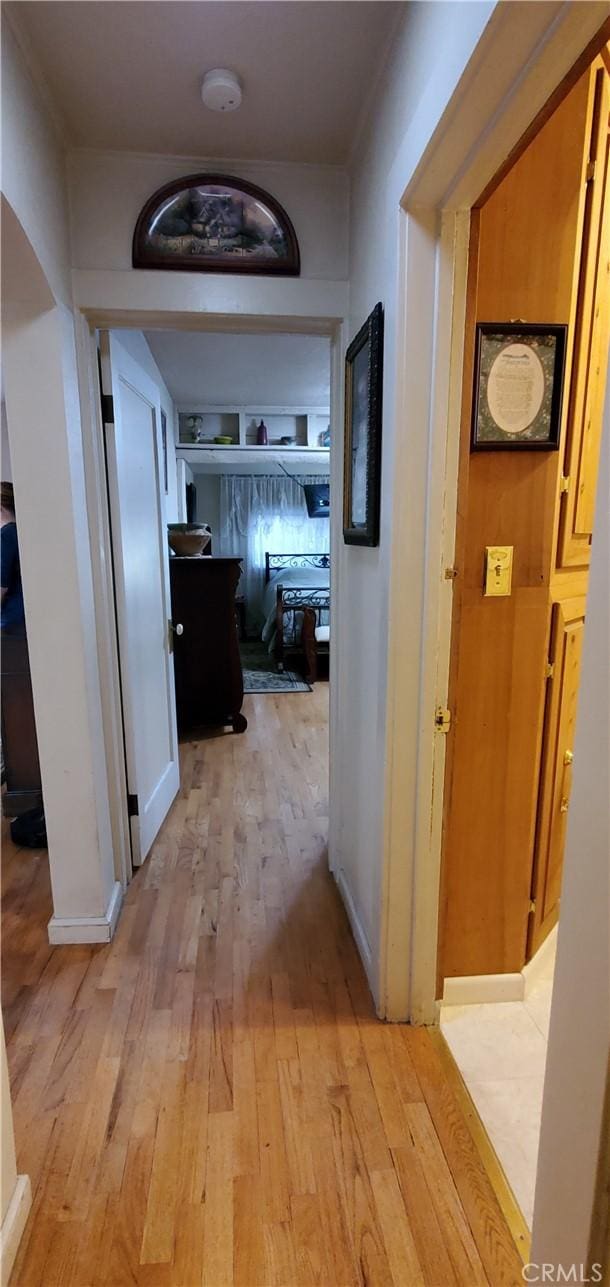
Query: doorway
x,y
236,430
539,255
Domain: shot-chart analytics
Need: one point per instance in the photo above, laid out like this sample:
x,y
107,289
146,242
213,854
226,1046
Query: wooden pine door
x,y
580,469
592,335
556,773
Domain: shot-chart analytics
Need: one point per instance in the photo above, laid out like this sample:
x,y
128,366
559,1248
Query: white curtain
x,y
259,515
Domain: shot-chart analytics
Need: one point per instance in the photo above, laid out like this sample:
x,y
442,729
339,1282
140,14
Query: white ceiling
x,y
126,75
204,368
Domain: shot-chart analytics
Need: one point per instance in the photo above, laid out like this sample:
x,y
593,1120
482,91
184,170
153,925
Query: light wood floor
x,y
210,1099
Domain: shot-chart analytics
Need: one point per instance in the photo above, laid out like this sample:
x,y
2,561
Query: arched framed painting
x,y
213,223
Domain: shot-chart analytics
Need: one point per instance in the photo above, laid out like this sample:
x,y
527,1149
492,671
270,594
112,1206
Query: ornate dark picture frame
x,y
215,223
518,386
362,449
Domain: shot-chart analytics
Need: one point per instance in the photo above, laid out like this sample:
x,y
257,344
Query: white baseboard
x,y
13,1225
542,963
358,930
473,989
87,929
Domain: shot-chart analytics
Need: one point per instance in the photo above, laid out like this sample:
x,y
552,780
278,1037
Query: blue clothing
x,y
12,611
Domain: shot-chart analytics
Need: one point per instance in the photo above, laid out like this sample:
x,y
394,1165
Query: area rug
x,y
261,675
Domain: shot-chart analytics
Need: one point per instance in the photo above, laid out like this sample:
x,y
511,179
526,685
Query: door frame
x,y
434,208
87,323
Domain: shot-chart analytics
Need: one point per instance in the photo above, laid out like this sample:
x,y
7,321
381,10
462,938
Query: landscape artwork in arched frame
x,y
215,224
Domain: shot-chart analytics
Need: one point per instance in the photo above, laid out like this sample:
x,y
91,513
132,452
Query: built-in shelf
x,y
306,426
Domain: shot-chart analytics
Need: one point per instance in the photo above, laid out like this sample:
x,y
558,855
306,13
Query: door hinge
x,y
532,907
549,669
450,574
442,719
564,483
108,408
590,175
133,807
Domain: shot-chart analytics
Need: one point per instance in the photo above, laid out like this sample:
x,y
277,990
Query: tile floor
x,y
500,1049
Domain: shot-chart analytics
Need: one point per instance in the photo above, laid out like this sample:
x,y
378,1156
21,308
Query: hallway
x,y
210,1099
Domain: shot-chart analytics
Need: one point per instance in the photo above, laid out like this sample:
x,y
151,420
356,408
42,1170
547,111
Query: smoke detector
x,y
221,90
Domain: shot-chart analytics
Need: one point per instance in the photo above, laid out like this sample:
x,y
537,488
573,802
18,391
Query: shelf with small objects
x,y
292,429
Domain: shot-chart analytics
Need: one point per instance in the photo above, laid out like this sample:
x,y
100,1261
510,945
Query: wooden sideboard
x,y
207,663
21,767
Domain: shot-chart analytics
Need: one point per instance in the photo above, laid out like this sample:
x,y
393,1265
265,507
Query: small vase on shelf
x,y
261,435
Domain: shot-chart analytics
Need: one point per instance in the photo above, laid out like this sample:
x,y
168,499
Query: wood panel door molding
x,y
556,770
592,335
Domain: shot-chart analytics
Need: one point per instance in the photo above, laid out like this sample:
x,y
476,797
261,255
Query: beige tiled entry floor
x,y
500,1050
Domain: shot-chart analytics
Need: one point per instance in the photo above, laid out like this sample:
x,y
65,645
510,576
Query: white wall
x,y
5,451
208,504
43,414
137,345
108,190
15,1190
579,1035
33,168
429,54
8,1173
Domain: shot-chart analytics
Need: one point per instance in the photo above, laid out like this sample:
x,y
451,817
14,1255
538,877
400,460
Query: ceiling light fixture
x,y
221,90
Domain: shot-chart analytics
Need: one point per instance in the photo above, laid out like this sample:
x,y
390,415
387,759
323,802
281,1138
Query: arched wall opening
x,y
44,435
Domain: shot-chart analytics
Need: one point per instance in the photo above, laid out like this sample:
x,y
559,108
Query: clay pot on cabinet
x,y
188,540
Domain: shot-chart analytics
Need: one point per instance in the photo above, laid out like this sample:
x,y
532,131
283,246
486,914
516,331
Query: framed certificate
x,y
518,386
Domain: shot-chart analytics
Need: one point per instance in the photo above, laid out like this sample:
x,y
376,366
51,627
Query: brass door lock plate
x,y
498,570
442,719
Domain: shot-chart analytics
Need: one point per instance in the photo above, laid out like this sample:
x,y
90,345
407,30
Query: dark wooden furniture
x,y
240,614
207,664
293,599
315,640
19,745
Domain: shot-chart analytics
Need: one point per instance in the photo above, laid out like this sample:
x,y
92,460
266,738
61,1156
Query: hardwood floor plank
x,y
495,1246
423,1221
463,1254
218,1216
249,1259
209,1099
160,1225
402,1255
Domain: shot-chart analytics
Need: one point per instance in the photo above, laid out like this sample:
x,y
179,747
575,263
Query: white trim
x,y
538,967
443,464
103,593
13,1225
117,319
337,682
358,930
87,929
475,989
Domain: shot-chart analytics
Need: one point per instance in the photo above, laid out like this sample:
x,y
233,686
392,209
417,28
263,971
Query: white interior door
x,y
132,425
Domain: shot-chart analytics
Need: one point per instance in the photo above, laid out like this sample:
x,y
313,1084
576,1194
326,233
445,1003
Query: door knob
x,y
171,631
